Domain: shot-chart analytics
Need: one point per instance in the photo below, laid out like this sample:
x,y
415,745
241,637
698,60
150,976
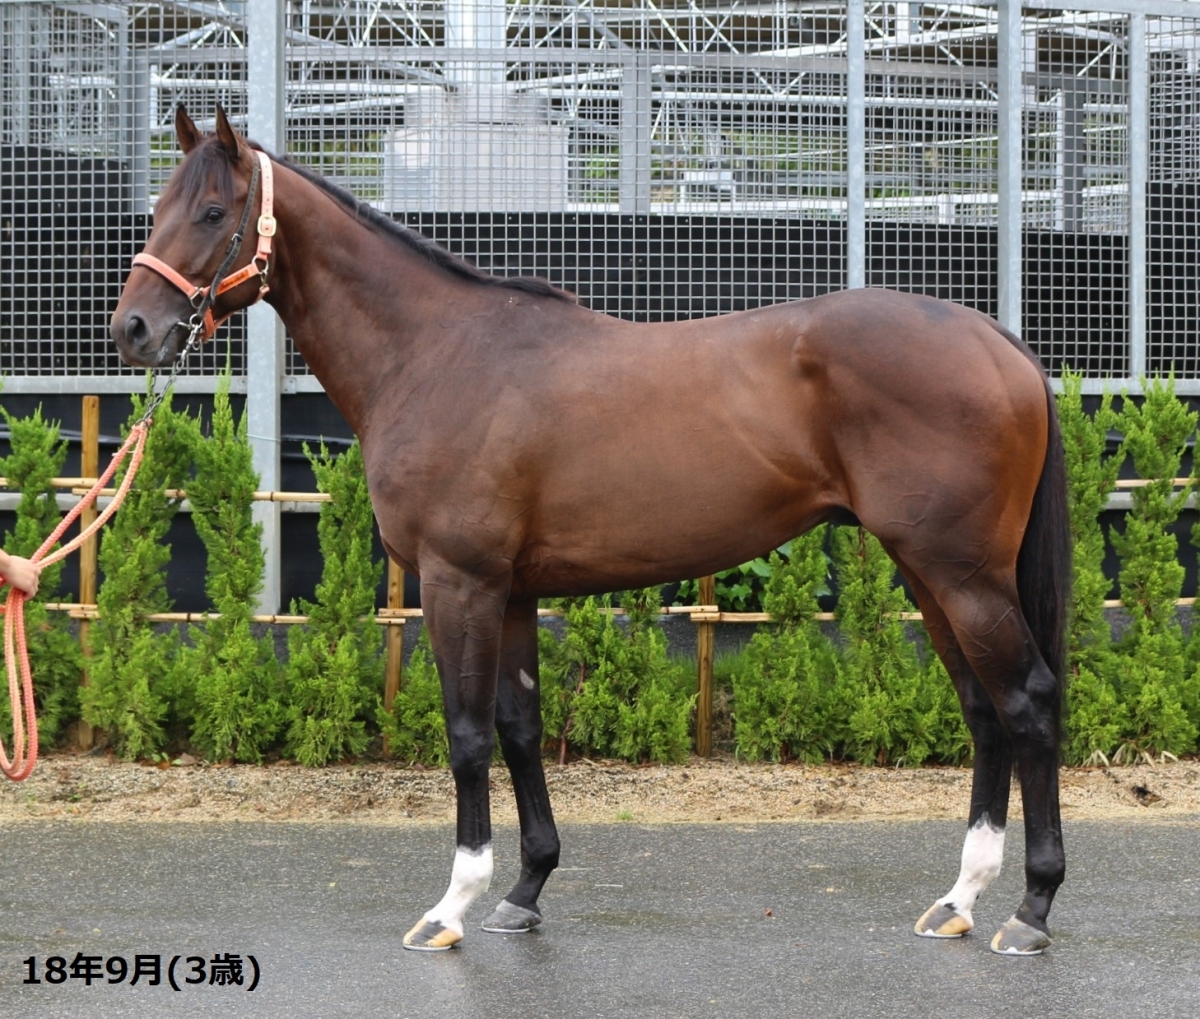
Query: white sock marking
x,y
982,855
469,879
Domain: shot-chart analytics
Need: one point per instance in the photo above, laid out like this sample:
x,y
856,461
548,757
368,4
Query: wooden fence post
x,y
395,641
89,467
705,643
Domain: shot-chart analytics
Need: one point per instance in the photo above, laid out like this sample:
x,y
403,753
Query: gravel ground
x,y
99,788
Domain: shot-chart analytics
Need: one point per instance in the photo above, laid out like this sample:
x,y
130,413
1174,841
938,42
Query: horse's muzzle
x,y
136,342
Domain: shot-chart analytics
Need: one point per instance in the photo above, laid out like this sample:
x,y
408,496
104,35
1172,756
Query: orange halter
x,y
203,298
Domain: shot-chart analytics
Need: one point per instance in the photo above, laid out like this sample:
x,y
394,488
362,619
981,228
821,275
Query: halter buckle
x,y
266,226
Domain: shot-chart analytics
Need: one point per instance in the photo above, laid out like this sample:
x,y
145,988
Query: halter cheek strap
x,y
203,298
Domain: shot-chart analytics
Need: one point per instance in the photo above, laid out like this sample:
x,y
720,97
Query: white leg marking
x,y
526,679
983,852
470,878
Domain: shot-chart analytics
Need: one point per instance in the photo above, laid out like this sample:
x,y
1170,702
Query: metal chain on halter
x,y
193,343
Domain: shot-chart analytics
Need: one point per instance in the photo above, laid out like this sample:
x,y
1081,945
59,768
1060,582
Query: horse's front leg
x,y
519,723
465,617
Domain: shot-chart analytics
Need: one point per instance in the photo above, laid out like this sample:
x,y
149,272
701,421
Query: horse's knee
x,y
470,750
520,742
519,726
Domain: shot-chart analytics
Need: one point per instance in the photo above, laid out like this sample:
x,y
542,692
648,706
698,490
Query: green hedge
x,y
1139,696
865,689
867,695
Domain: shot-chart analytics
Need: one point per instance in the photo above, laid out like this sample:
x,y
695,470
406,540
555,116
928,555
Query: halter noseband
x,y
203,298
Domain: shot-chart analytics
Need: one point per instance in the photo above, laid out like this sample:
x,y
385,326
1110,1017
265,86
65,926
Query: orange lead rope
x,y
16,654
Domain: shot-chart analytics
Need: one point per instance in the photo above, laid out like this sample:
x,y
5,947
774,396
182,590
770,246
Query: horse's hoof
x,y
510,919
1018,938
431,936
941,921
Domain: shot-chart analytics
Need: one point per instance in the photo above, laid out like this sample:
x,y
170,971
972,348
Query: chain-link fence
x,y
662,159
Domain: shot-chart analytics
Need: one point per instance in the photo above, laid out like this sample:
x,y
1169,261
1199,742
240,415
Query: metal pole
x,y
264,331
139,136
19,106
1139,148
1010,95
477,24
635,135
856,145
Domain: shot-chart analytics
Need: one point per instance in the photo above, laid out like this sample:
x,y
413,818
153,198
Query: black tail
x,y
1044,562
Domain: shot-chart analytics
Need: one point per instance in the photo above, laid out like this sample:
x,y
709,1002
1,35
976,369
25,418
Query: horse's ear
x,y
185,130
230,140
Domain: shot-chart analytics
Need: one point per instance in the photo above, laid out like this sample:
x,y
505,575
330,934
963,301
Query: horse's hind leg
x,y
519,724
983,848
465,617
986,619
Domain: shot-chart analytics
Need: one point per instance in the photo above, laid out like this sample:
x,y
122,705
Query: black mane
x,y
211,160
422,245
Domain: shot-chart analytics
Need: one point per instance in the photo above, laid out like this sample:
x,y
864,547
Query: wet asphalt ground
x,y
722,920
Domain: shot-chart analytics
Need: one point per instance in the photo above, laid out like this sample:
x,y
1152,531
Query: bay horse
x,y
519,446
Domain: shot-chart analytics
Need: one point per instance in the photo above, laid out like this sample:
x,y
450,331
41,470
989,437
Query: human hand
x,y
20,572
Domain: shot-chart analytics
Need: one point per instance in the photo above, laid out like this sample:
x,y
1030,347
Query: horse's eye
x,y
214,215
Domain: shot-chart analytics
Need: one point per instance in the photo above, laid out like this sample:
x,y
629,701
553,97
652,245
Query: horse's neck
x,y
356,303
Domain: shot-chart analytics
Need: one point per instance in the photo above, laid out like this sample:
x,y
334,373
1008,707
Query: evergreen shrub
x,y
1159,695
234,675
1096,716
782,684
888,707
611,689
415,728
334,673
134,672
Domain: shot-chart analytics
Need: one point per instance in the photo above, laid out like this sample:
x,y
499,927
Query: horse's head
x,y
211,197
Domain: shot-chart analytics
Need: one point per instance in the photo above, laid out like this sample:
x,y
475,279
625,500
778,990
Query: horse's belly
x,y
663,534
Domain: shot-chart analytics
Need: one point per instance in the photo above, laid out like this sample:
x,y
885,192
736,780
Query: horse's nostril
x,y
135,330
